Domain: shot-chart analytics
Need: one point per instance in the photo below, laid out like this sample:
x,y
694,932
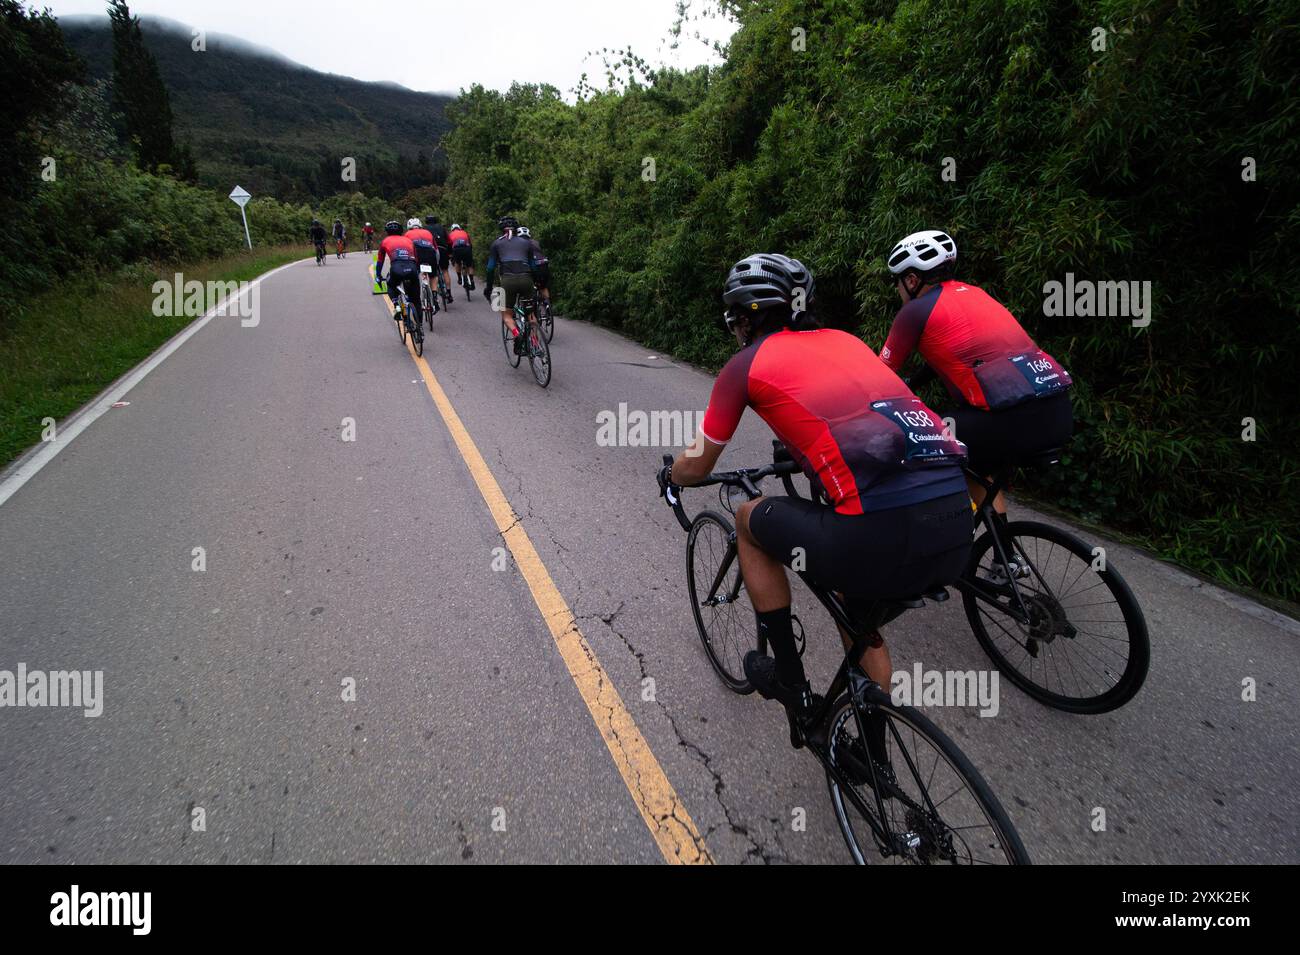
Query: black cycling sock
x,y
776,628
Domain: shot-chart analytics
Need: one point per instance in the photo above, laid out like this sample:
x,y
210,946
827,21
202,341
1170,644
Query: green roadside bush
x,y
1132,162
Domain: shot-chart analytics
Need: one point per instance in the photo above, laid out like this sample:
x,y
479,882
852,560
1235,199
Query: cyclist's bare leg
x,y
875,659
977,495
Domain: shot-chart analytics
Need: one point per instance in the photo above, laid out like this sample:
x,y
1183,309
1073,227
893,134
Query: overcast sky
x,y
438,46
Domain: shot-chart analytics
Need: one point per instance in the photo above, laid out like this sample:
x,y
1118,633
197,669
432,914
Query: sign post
x,y
240,198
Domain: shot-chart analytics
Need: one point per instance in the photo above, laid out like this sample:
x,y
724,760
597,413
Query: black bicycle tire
x,y
993,809
1129,683
737,684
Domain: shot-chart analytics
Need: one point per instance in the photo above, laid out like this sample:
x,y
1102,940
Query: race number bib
x,y
1042,373
926,439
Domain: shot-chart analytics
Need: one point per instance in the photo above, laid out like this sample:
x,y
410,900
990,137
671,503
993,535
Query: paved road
x,y
470,738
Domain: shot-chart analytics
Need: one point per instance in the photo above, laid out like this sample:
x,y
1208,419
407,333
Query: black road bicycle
x,y
533,342
1052,611
320,252
444,292
426,297
901,789
546,318
406,325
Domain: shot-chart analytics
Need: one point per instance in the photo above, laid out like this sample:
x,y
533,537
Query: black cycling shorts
x,y
897,552
427,255
996,439
463,255
404,272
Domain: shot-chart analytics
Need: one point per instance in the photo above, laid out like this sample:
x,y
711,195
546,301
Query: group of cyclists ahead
x,y
515,261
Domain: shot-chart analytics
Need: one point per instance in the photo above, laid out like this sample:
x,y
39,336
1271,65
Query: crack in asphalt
x,y
757,849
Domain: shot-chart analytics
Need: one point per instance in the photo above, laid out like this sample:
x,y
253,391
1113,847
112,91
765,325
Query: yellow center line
x,y
661,808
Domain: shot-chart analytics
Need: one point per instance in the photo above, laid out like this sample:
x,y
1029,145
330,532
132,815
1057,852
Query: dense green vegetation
x,y
277,128
1128,163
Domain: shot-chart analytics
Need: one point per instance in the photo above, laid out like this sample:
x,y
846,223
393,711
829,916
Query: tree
x,y
138,92
34,73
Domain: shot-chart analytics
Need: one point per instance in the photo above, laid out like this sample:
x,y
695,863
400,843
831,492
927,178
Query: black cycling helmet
x,y
393,227
315,222
430,220
508,222
765,280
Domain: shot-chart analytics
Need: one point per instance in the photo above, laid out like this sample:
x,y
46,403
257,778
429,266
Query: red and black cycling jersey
x,y
857,431
397,248
975,346
420,237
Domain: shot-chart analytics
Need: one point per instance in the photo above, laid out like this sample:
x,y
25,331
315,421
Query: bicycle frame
x,y
988,516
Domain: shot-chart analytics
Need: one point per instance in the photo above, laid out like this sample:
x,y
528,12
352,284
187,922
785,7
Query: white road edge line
x,y
27,465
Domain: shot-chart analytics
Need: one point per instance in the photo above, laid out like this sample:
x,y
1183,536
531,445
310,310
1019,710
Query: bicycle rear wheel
x,y
417,338
723,614
399,319
539,355
508,341
934,808
1084,648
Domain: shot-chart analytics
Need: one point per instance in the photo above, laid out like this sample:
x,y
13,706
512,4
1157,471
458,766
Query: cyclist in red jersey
x,y
462,256
896,518
403,265
426,253
1013,398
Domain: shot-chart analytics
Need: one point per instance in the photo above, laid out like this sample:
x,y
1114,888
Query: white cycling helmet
x,y
455,226
922,251
413,223
524,232
367,223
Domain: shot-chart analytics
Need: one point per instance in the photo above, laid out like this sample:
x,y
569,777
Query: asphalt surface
x,y
372,561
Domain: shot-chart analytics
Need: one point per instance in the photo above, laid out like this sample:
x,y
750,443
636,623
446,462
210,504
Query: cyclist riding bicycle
x,y
368,235
516,257
541,274
403,265
462,255
340,237
317,234
426,253
896,519
1013,398
444,246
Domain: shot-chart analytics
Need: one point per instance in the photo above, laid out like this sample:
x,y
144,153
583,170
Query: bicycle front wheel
x,y
400,321
1083,647
547,321
723,614
539,355
907,795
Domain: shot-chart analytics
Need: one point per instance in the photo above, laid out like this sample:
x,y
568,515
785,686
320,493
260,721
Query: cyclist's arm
x,y
491,263
727,403
905,334
379,261
697,461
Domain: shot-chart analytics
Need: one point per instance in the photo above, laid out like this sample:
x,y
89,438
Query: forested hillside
x,y
277,128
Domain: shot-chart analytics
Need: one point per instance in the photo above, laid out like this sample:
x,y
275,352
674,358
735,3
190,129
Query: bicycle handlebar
x,y
745,478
